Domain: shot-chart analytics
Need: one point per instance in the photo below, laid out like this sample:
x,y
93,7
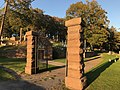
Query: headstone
x,y
119,52
25,37
75,63
6,37
1,37
110,52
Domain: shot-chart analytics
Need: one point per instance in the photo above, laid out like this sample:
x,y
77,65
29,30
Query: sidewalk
x,y
88,64
56,63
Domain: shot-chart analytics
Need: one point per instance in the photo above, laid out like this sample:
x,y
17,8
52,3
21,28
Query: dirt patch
x,y
50,80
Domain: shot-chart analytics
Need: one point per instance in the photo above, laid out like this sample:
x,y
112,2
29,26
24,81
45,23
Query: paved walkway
x,y
89,64
56,63
92,63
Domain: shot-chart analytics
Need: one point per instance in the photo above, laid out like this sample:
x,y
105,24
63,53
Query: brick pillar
x,y
75,63
31,66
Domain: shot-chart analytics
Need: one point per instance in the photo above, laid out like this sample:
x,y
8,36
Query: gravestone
x,y
75,63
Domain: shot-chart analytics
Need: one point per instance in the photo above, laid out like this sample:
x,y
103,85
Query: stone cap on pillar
x,y
32,33
73,22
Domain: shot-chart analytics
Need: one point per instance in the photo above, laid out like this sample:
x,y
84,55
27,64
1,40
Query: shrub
x,y
59,52
13,51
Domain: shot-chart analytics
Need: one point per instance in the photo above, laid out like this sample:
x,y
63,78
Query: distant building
x,y
44,49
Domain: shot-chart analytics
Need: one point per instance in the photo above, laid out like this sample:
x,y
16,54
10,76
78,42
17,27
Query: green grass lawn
x,y
5,76
105,76
60,60
16,64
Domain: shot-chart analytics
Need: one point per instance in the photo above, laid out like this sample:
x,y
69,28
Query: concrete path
x,y
56,63
92,63
89,64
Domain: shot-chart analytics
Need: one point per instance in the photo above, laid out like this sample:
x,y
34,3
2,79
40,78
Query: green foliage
x,y
94,21
59,52
98,37
114,39
21,15
5,51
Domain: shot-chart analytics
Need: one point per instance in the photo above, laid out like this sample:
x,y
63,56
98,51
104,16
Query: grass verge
x,y
15,64
105,76
60,60
5,76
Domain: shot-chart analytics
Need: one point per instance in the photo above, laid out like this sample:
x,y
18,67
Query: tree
x,y
95,21
16,16
98,38
114,39
56,28
22,15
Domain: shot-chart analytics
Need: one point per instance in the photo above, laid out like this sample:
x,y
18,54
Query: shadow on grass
x,y
11,72
9,60
19,85
50,69
94,73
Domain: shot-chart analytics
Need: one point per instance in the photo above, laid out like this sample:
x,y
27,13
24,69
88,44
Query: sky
x,y
58,8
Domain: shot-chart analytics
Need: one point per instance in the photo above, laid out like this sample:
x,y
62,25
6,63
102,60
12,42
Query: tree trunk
x,y
91,48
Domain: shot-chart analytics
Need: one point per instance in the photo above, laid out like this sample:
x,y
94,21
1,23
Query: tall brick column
x,y
31,66
75,63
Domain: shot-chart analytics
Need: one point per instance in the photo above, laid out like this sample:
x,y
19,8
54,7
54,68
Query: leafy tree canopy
x,y
94,18
21,15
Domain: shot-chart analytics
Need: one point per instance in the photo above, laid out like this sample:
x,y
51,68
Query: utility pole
x,y
3,18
